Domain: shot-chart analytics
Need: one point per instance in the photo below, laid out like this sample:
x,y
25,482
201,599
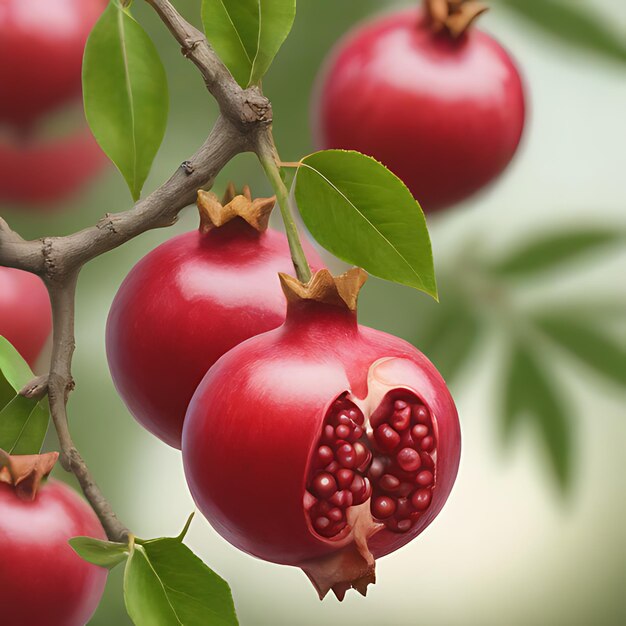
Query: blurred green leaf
x,y
448,339
104,553
247,34
572,23
362,213
23,421
125,94
167,584
529,395
595,348
553,251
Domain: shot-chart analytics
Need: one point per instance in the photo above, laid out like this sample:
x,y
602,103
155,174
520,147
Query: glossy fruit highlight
x,y
322,444
25,316
41,52
444,113
191,300
42,580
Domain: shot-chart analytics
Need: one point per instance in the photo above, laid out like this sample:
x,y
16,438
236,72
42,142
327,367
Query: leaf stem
x,y
268,156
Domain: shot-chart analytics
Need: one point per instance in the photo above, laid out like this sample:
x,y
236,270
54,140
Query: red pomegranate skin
x,y
255,422
63,165
444,115
41,53
183,306
42,580
25,315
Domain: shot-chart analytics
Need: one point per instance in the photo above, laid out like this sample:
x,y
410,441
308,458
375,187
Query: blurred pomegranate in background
x,y
25,316
430,96
48,171
41,51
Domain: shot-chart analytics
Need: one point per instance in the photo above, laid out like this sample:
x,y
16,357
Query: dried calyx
x,y
214,213
453,16
342,291
25,472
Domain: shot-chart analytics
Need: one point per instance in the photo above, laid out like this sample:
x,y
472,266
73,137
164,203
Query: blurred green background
x,y
513,545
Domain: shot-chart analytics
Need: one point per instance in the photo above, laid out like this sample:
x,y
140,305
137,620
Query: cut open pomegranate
x,y
322,444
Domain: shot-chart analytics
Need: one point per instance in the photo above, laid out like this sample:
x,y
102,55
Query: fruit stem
x,y
268,156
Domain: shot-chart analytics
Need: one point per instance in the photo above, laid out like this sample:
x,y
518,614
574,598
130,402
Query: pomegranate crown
x,y
214,213
342,291
25,472
453,16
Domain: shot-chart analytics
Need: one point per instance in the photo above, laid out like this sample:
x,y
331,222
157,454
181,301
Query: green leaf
x,y
166,584
571,23
362,213
104,553
13,367
593,347
247,34
23,421
530,395
449,338
125,94
554,251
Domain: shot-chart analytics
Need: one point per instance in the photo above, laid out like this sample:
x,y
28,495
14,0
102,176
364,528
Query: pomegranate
x,y
438,102
42,580
41,52
322,444
62,166
25,315
191,300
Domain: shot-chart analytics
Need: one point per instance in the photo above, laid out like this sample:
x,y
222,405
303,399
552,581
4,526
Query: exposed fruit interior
x,y
389,460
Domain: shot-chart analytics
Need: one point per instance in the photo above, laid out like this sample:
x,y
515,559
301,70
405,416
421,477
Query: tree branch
x,y
244,125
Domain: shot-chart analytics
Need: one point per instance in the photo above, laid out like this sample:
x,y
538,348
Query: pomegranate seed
x,y
409,459
419,431
329,434
427,462
324,485
342,498
403,508
425,478
376,469
325,455
399,405
389,482
321,523
335,515
363,456
346,455
357,433
420,413
404,525
358,485
356,416
421,499
344,420
386,437
427,444
309,500
333,468
345,478
343,431
401,419
383,507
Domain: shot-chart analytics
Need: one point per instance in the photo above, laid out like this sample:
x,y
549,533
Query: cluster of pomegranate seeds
x,y
339,465
390,460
